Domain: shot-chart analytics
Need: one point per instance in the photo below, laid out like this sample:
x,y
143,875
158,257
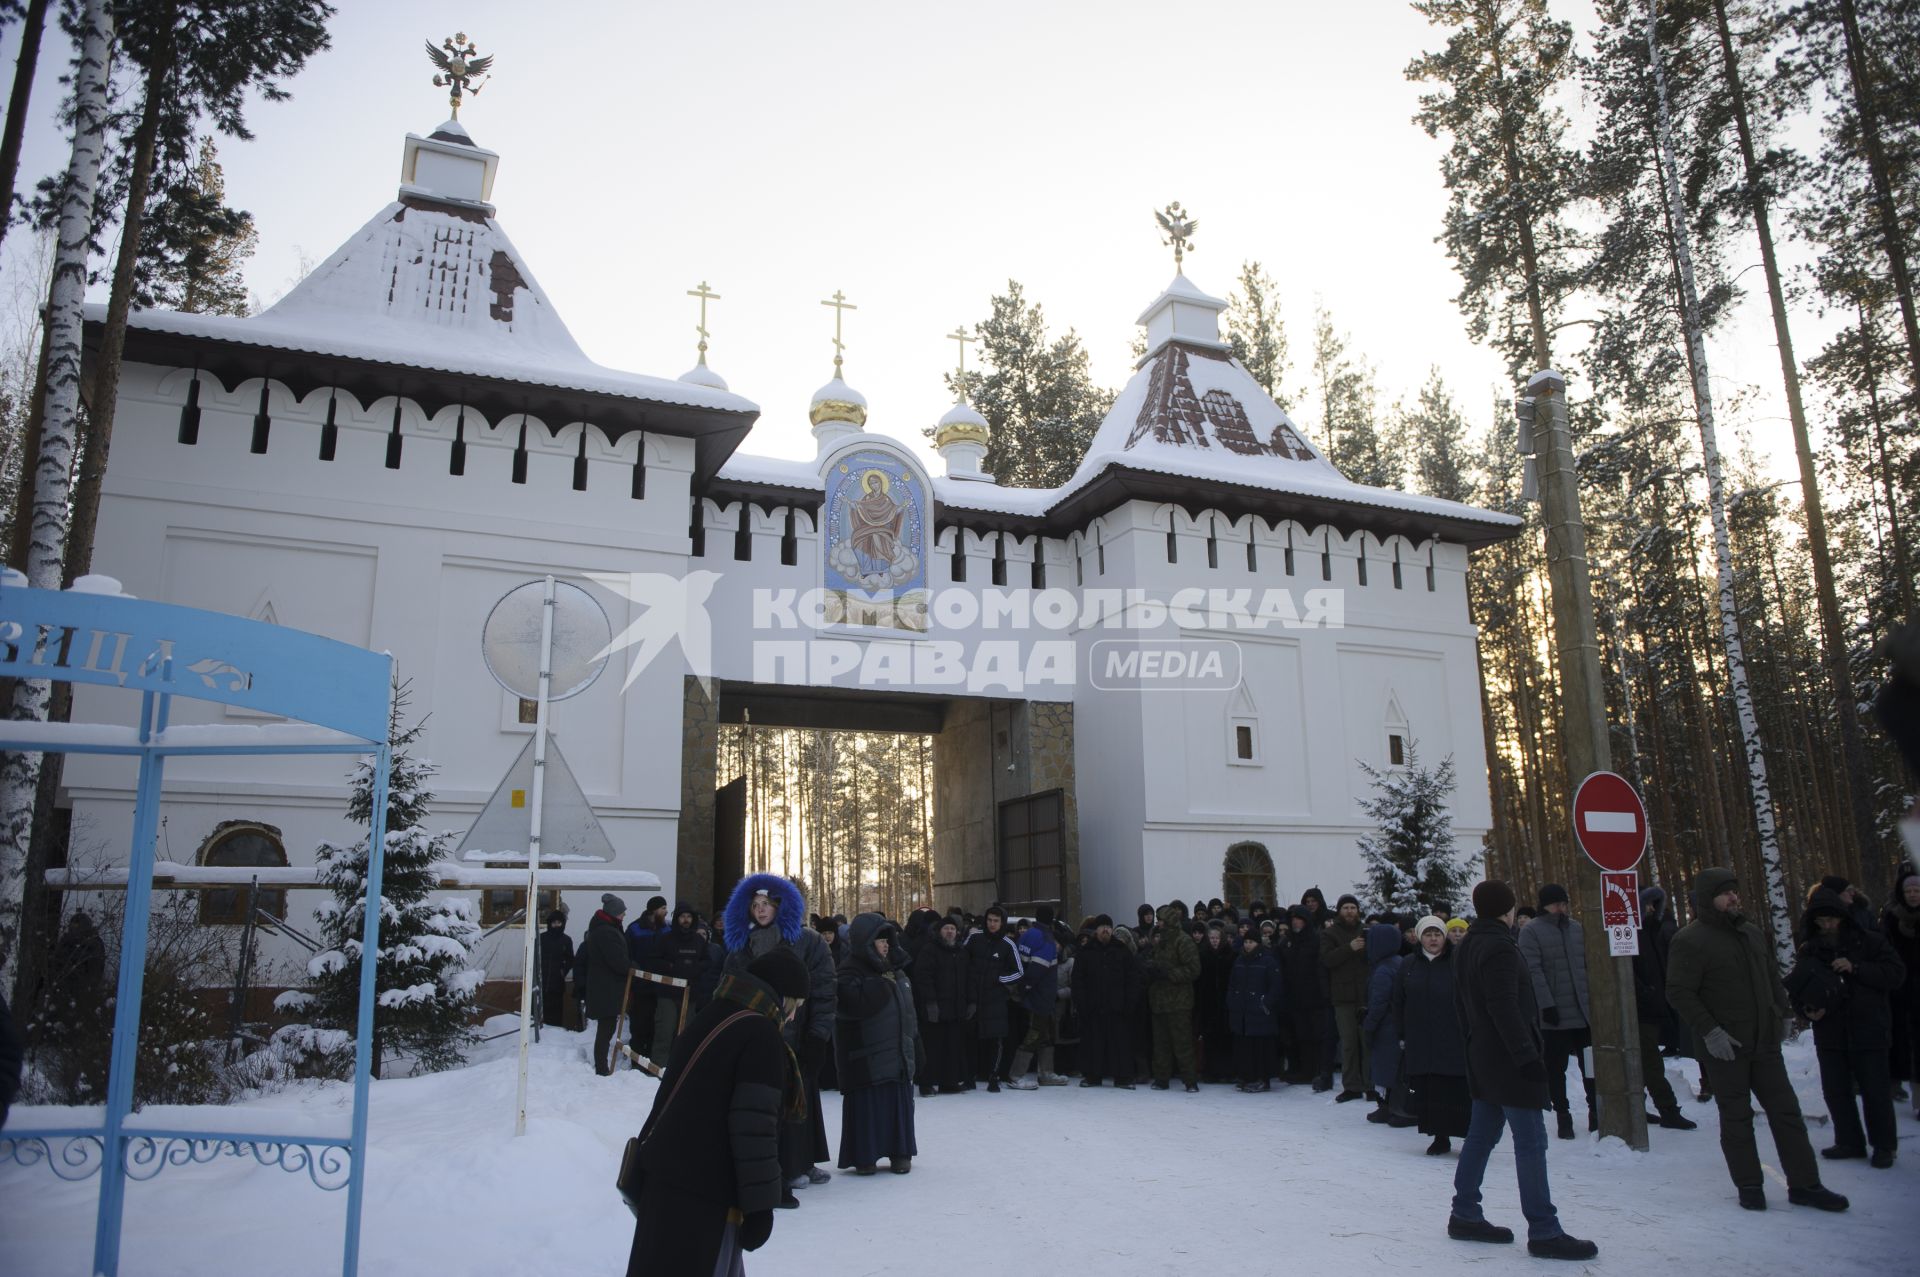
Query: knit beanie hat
x,y
1492,899
1348,899
1552,894
1429,923
1456,927
1101,920
614,905
656,902
1834,883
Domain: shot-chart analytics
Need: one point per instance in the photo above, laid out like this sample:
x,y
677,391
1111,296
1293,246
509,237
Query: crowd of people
x,y
1458,1028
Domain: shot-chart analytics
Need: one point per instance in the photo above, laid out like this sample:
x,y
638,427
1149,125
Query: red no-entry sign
x,y
1609,821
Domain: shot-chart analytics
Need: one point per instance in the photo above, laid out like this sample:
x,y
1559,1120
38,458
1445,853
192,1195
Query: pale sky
x,y
916,157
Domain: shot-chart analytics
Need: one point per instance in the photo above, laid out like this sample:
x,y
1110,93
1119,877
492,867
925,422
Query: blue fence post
x,y
133,973
363,1041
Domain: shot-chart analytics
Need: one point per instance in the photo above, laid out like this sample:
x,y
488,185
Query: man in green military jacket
x,y
1722,980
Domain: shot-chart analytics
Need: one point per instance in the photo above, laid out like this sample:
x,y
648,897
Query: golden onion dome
x,y
962,425
837,401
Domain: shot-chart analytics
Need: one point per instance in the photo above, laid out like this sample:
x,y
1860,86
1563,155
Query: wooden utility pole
x,y
1613,1019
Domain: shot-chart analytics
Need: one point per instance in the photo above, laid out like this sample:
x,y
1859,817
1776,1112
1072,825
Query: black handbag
x,y
633,1176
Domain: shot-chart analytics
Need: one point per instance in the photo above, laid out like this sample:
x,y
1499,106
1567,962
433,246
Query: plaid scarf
x,y
755,996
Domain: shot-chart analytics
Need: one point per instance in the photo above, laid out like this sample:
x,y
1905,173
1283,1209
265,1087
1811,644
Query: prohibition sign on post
x,y
1609,821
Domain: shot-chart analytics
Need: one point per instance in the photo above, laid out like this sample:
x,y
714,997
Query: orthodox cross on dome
x,y
1179,228
460,69
705,295
840,306
962,336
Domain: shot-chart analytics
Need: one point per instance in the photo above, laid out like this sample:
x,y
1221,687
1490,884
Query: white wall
x,y
410,560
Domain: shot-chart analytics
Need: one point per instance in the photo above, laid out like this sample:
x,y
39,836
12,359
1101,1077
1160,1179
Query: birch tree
x,y
1756,758
59,430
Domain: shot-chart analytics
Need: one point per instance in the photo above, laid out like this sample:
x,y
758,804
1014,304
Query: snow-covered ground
x,y
1093,1181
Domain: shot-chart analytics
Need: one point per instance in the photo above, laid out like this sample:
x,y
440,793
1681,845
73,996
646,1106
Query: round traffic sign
x,y
510,640
1610,821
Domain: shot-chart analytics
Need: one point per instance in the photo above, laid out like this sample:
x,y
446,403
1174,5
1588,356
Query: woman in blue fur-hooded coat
x,y
766,912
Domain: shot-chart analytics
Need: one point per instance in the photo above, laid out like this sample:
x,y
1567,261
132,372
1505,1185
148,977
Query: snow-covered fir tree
x,y
1410,859
424,980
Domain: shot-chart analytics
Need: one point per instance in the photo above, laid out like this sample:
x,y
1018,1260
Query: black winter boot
x,y
1565,1129
1565,1246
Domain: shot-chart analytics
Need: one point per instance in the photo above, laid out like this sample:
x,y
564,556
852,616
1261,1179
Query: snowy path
x,y
1154,1182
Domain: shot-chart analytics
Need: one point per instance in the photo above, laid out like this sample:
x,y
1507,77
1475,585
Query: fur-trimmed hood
x,y
791,918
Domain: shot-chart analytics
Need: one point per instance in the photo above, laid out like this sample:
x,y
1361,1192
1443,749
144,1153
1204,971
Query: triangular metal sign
x,y
568,828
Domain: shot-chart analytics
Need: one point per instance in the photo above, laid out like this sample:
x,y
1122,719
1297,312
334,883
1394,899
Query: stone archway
x,y
1247,875
985,752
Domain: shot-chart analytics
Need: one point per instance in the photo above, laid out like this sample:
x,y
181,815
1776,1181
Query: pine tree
x,y
196,247
198,61
1411,862
1035,393
1350,434
1436,436
1255,331
423,981
1510,175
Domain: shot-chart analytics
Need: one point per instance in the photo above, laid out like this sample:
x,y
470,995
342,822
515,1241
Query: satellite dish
x,y
510,641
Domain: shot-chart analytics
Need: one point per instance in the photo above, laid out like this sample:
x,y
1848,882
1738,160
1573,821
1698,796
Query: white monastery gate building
x,y
1167,670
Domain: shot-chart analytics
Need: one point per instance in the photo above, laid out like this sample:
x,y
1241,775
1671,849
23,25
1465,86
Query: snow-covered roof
x,y
441,287
1197,413
1190,413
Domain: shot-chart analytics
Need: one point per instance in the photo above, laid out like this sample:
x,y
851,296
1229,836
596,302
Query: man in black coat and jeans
x,y
1507,1078
710,1151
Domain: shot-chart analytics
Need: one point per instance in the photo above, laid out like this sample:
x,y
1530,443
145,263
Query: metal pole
x,y
533,853
363,1032
133,974
1613,1020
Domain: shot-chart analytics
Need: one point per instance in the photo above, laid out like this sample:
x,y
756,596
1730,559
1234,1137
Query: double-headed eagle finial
x,y
460,68
1179,228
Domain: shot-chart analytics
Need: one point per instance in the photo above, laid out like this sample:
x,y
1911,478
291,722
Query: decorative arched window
x,y
242,844
1248,875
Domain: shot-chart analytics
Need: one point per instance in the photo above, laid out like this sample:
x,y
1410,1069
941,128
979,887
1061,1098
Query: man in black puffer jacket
x,y
1506,1075
710,1151
995,961
1841,982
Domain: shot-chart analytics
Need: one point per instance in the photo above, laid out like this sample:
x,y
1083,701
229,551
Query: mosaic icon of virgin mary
x,y
876,527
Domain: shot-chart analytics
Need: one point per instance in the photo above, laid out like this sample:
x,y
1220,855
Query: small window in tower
x,y
529,710
1396,749
1243,736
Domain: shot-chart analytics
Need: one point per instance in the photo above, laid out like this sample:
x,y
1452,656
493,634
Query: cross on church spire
x,y
963,337
705,295
840,306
